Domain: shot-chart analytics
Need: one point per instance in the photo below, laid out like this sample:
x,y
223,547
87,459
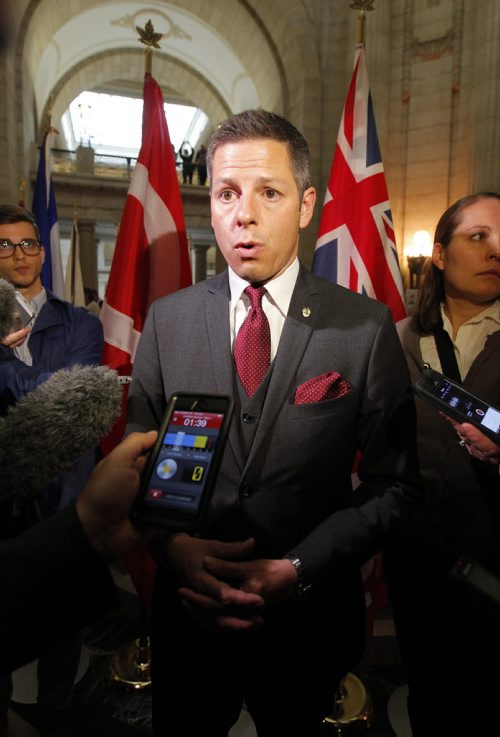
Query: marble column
x,y
199,260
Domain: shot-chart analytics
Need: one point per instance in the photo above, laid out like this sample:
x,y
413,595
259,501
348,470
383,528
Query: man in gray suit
x,y
268,595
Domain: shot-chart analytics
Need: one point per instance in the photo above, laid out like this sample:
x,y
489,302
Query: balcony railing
x,y
65,161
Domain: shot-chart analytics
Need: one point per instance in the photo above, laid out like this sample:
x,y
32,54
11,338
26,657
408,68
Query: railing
x,y
66,161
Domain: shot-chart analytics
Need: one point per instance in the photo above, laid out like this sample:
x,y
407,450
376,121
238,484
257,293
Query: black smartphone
x,y
453,400
24,311
180,473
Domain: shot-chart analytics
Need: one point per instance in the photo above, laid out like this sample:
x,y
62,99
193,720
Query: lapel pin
x,y
306,311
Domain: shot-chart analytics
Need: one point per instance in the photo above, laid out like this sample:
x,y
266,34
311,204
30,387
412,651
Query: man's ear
x,y
42,254
438,256
307,207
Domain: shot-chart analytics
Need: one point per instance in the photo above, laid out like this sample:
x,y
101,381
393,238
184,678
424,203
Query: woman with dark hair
x,y
447,631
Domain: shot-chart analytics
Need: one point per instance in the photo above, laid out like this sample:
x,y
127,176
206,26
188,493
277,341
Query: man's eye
x,y
271,194
478,236
226,195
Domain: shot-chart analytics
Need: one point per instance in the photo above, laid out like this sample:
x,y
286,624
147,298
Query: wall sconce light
x,y
416,254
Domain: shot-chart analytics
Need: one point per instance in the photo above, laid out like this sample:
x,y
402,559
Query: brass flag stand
x,y
130,665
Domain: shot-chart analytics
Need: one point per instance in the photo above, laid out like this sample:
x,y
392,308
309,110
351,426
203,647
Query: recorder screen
x,y
179,475
474,409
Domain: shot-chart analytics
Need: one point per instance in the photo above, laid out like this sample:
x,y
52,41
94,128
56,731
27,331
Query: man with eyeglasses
x,y
58,336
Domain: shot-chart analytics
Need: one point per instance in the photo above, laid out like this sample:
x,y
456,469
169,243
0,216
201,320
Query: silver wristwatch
x,y
303,584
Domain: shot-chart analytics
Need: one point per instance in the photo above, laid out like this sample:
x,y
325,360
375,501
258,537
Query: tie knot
x,y
255,295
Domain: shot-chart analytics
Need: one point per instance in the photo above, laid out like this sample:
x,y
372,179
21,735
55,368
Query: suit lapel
x,y
217,327
217,324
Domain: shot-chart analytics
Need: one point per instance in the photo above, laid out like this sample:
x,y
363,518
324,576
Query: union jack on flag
x,y
356,246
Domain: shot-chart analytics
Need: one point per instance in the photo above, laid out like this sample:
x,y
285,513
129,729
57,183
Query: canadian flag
x,y
151,256
151,259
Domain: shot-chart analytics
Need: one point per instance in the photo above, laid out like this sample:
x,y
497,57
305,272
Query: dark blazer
x,y
461,513
62,336
52,583
293,492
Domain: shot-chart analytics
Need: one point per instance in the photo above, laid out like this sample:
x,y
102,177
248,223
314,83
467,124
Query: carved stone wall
x,y
433,65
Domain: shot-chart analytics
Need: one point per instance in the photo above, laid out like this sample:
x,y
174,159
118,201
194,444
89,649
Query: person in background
x,y
447,632
186,153
201,164
59,335
246,608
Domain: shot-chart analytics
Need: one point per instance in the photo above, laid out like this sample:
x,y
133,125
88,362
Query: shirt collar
x,y
39,300
279,289
490,313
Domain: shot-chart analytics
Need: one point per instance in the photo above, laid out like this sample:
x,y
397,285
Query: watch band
x,y
303,584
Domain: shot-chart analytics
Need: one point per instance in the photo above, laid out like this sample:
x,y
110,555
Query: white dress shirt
x,y
469,341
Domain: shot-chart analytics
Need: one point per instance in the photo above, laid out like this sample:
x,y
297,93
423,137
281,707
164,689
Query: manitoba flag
x,y
356,245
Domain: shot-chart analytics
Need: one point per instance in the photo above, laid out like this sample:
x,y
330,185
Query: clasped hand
x,y
221,588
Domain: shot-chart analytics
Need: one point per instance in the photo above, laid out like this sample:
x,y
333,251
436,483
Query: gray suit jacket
x,y
293,492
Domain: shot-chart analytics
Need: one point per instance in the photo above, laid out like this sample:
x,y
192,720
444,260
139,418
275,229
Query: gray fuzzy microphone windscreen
x,y
52,426
7,307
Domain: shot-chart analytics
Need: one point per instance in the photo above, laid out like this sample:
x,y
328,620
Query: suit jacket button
x,y
248,418
245,489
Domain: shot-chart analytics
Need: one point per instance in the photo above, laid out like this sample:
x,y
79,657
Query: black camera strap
x,y
486,473
446,353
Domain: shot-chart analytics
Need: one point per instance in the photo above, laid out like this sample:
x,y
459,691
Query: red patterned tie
x,y
252,346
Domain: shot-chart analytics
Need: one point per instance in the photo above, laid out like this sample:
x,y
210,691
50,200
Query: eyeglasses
x,y
29,246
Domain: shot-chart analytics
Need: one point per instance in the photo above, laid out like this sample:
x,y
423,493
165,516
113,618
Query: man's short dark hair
x,y
10,214
256,124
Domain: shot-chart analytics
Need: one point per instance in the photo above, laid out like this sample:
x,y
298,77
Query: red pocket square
x,y
327,386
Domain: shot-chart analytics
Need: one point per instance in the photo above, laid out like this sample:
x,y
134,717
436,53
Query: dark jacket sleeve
x,y
62,336
52,584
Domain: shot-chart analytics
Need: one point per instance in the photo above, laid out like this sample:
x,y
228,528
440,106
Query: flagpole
x,y
363,6
352,703
22,192
149,38
48,122
73,256
130,665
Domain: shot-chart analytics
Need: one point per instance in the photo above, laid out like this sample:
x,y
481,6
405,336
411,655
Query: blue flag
x,y
45,212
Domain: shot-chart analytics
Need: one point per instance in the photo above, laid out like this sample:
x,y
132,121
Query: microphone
x,y
7,307
52,426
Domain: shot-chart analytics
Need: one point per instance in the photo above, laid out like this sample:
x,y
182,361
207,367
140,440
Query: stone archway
x,y
129,66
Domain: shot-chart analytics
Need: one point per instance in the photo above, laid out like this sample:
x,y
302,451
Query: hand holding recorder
x,y
478,445
455,402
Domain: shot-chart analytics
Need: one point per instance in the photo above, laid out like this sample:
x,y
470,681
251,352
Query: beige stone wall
x,y
433,65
